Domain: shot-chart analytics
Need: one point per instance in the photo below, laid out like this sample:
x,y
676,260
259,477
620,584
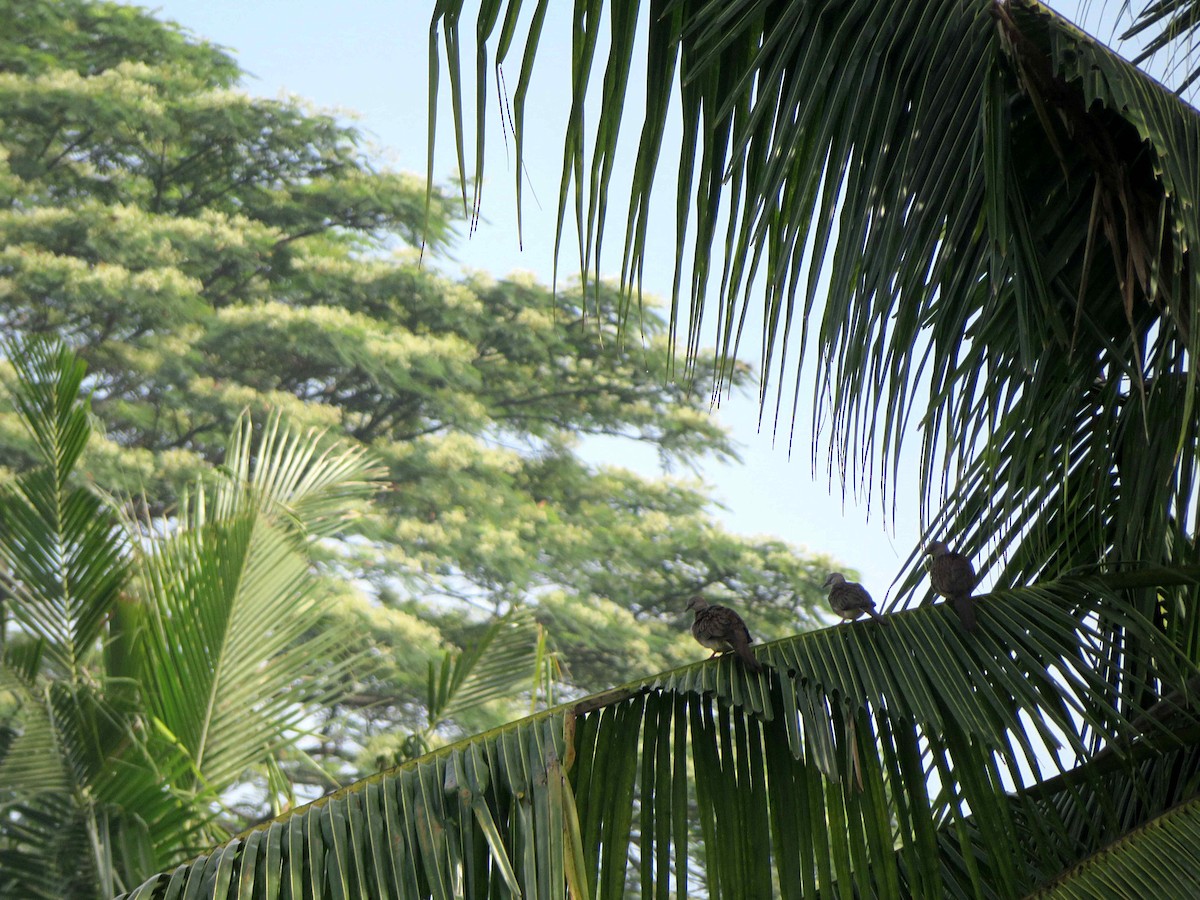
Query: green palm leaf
x,y
970,218
299,480
143,677
1147,859
1169,29
64,560
898,759
62,556
970,221
498,662
235,621
30,765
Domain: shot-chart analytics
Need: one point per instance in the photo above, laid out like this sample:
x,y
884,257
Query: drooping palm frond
x,y
1114,407
883,759
1168,29
971,218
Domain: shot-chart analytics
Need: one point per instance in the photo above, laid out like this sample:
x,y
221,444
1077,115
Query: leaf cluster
x,y
972,224
144,667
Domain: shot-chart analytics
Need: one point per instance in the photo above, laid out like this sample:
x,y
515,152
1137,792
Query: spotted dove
x,y
849,599
720,629
953,577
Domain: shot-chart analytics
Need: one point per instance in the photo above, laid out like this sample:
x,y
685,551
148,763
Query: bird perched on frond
x,y
720,629
953,577
849,599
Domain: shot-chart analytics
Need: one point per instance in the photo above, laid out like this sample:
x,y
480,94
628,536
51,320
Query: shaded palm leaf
x,y
89,800
30,765
863,756
1169,29
1148,858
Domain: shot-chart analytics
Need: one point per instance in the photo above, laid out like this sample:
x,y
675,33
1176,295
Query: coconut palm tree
x,y
1003,210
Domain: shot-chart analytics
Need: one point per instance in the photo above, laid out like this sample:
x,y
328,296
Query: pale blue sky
x,y
370,57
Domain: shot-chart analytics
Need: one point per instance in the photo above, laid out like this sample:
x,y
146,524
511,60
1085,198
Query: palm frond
x,y
1158,858
972,219
1169,30
300,479
62,557
64,561
498,661
51,852
868,755
131,703
30,765
231,643
235,623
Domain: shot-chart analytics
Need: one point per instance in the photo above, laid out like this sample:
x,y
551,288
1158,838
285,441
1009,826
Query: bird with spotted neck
x,y
953,577
849,599
721,630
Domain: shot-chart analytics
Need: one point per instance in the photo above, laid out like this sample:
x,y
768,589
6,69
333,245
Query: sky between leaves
x,y
368,59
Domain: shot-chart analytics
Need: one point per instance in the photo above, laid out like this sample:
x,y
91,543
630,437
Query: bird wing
x,y
850,596
952,575
722,629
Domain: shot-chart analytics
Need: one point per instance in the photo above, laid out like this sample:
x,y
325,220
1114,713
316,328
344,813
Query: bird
x,y
954,578
849,599
720,629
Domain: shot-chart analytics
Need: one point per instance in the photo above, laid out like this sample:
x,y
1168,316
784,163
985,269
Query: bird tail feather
x,y
965,607
743,651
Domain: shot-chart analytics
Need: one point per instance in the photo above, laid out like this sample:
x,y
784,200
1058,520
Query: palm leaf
x,y
232,643
1148,857
498,663
873,756
64,560
62,555
31,764
501,659
130,704
234,617
969,216
299,480
82,774
1169,29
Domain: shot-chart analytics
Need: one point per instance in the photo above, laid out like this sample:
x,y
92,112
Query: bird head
x,y
835,578
697,603
937,548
